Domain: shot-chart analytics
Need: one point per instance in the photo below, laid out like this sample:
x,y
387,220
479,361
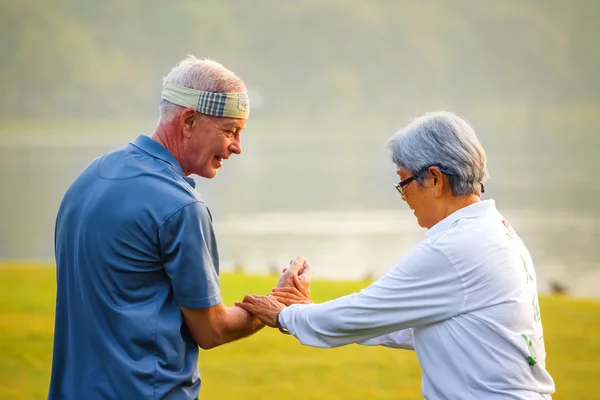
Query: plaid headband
x,y
231,105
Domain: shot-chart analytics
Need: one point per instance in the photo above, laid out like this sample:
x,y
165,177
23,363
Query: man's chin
x,y
209,174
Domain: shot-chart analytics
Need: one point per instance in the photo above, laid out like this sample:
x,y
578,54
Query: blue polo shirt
x,y
134,242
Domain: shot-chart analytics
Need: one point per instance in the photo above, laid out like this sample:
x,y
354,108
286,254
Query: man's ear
x,y
187,119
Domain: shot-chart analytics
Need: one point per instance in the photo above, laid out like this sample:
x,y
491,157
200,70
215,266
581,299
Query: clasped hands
x,y
293,287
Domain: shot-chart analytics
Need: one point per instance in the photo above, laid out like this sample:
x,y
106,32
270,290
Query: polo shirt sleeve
x,y
190,258
423,288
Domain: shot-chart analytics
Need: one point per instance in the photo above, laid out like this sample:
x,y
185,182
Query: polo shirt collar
x,y
157,150
472,211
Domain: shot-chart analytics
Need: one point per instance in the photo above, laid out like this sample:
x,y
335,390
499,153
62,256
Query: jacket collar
x,y
472,211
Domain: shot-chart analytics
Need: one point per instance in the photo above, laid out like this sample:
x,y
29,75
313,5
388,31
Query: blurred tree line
x,y
84,58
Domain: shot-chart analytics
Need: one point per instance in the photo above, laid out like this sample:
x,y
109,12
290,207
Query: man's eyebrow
x,y
231,125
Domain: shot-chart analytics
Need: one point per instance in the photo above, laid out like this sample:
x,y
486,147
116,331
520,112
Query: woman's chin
x,y
422,223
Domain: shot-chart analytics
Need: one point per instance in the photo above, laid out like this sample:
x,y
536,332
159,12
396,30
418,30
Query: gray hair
x,y
200,74
445,140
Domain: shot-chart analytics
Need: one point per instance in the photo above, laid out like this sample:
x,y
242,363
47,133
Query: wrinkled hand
x,y
265,308
292,295
299,267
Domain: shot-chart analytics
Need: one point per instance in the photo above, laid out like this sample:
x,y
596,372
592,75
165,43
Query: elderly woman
x,y
464,298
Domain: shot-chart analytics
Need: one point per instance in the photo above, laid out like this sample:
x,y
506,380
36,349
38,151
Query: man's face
x,y
213,140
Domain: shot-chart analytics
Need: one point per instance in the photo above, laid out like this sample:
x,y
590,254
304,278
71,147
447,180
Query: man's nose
x,y
236,146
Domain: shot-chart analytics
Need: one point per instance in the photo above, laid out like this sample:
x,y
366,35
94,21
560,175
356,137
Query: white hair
x,y
200,74
445,140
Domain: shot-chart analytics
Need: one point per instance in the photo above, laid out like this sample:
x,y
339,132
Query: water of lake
x,y
330,198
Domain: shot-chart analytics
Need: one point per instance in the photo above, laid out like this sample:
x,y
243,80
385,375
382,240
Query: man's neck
x,y
166,134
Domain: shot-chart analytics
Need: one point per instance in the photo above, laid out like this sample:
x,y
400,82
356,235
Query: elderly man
x,y
464,298
136,255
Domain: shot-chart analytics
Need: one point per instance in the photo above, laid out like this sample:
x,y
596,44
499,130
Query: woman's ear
x,y
438,180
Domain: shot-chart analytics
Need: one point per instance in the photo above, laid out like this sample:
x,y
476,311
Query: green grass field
x,y
273,366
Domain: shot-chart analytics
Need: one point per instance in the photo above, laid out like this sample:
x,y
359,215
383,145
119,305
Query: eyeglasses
x,y
400,186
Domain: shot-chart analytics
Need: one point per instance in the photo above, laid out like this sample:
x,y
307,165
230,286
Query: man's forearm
x,y
214,326
238,324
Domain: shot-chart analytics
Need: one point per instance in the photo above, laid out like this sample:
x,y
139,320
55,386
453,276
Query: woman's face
x,y
421,198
